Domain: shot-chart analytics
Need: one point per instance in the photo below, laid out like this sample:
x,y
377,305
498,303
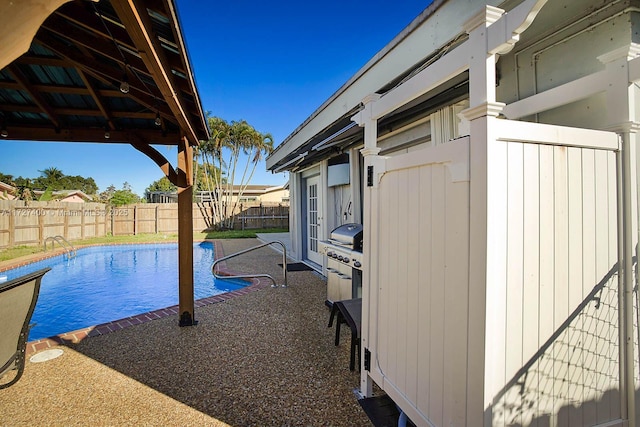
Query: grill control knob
x,y
329,254
347,260
340,257
334,255
357,264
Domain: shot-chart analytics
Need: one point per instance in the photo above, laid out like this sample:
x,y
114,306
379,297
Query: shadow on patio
x,y
265,359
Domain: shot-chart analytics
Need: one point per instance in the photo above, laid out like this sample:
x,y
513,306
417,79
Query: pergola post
x,y
185,233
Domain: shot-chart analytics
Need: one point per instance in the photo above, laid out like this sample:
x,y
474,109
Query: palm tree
x,y
232,140
49,178
211,153
51,173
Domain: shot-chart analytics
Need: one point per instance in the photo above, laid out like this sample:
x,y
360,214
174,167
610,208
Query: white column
x,y
370,239
622,119
483,366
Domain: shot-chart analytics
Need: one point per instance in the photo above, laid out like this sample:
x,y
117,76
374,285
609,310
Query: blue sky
x,y
270,63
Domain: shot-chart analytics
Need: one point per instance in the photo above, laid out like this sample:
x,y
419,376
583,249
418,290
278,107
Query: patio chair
x,y
17,301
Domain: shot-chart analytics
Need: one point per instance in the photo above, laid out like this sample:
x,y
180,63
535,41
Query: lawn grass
x,y
19,251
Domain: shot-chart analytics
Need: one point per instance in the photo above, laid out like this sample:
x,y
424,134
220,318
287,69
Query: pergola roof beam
x,y
105,47
156,137
107,75
35,96
134,16
95,24
97,99
24,108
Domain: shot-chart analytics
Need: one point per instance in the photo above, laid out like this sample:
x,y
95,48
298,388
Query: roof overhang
x,y
329,129
344,134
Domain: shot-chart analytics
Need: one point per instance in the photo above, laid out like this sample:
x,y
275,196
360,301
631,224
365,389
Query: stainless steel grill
x,y
347,235
344,262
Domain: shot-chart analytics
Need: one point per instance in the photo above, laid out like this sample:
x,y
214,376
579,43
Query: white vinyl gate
x,y
549,335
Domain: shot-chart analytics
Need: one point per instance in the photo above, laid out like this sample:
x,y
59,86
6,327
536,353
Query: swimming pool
x,y
106,283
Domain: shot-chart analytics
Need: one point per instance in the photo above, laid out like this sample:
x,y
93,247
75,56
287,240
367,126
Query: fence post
x,y
82,223
12,226
66,222
40,227
113,228
96,218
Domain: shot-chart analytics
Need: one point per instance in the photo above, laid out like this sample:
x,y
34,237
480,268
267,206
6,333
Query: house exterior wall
x,y
295,224
278,196
73,199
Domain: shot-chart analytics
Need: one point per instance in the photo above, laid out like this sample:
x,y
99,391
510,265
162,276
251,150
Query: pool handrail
x,y
251,276
69,249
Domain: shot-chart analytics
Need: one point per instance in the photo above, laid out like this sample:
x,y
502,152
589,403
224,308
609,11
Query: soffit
x,y
343,134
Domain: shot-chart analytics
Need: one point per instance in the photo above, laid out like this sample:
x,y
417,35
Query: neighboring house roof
x,y
253,190
62,195
7,187
7,191
59,194
257,189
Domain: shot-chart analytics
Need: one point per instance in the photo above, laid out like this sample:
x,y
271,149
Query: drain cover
x,y
46,355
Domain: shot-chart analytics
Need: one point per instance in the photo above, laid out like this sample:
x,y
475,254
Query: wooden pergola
x,y
105,71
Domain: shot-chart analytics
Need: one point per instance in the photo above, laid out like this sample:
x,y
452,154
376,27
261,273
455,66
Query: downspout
x,y
635,276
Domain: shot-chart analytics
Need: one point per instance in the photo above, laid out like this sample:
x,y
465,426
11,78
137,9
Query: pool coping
x,y
74,337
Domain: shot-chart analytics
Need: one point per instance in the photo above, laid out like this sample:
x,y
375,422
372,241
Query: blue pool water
x,y
106,283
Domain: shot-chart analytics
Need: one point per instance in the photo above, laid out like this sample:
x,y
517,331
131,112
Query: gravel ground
x,y
263,359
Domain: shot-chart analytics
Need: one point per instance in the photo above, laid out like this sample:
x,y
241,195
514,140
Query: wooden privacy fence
x,y
23,223
163,217
263,216
31,223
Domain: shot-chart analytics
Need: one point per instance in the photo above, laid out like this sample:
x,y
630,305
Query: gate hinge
x,y
367,359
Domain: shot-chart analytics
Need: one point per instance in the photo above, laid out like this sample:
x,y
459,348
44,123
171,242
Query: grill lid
x,y
348,235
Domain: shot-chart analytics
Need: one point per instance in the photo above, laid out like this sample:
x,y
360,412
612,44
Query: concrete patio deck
x,y
262,359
